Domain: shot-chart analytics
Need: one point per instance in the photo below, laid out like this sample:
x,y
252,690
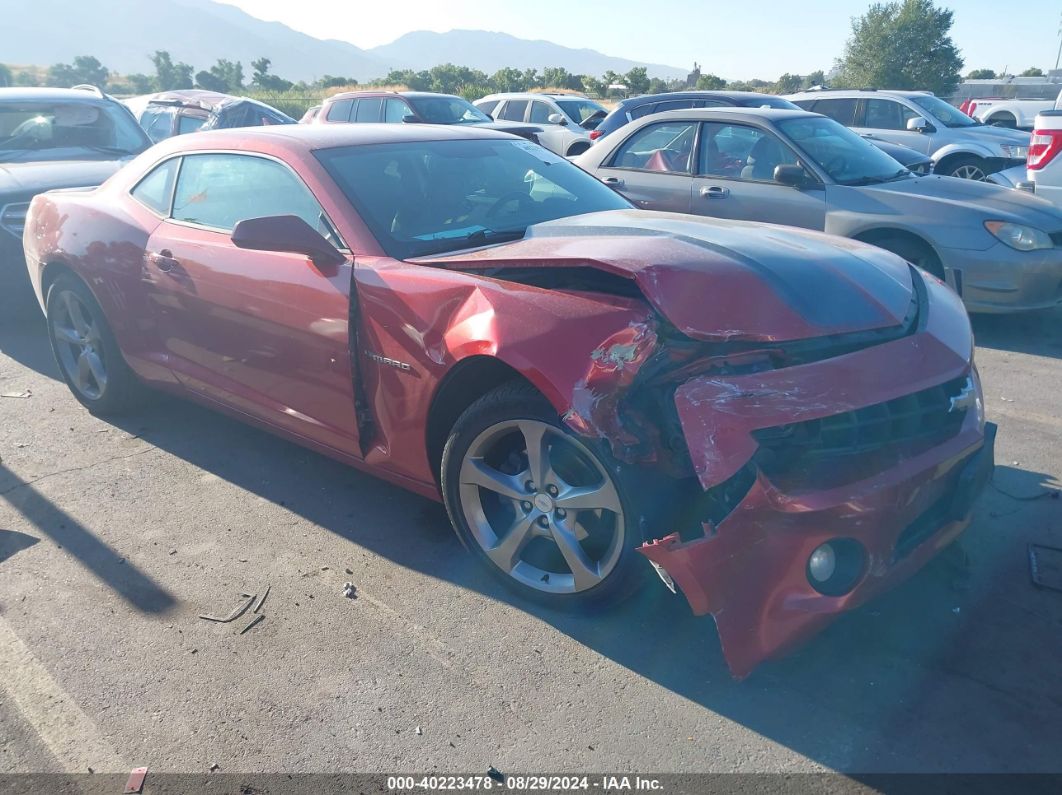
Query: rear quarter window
x,y
156,188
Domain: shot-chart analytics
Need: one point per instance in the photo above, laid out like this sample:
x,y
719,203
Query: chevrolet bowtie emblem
x,y
966,399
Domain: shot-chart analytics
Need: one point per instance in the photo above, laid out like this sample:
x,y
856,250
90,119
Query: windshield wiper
x,y
107,150
862,181
495,236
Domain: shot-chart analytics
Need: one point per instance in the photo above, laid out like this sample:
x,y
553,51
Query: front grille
x,y
13,218
854,444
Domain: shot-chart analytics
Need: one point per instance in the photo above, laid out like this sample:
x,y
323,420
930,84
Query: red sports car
x,y
782,422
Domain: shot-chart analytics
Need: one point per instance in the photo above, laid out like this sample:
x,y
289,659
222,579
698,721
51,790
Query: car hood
x,y
986,133
982,200
33,178
718,280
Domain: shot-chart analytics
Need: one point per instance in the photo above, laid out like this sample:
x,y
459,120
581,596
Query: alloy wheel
x,y
541,506
79,345
970,171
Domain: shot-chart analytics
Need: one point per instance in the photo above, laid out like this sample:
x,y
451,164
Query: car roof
x,y
673,95
741,114
32,94
371,93
534,95
308,137
856,92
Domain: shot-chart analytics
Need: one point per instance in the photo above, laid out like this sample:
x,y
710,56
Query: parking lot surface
x,y
115,535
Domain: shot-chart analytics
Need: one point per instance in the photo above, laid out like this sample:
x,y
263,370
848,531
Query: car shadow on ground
x,y
24,338
1037,333
952,671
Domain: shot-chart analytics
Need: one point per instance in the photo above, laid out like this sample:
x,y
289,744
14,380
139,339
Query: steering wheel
x,y
514,195
836,164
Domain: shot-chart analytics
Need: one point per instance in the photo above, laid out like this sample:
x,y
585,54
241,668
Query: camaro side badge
x,y
966,399
389,362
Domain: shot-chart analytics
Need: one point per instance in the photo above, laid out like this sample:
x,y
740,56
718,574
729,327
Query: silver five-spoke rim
x,y
541,506
969,172
78,343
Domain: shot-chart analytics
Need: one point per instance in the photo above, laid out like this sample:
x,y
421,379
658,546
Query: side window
x,y
885,114
368,110
514,110
641,110
157,123
840,110
675,104
189,124
735,151
488,106
220,190
156,189
658,147
340,110
394,111
540,112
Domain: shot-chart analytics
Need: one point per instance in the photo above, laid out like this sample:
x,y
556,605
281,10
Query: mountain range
x,y
124,33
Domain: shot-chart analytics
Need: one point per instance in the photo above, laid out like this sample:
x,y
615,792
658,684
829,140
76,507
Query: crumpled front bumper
x,y
750,570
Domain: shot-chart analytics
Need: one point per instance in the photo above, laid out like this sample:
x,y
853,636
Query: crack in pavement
x,y
93,465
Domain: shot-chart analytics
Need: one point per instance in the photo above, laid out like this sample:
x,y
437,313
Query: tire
x,y
86,351
966,167
914,251
562,557
1003,120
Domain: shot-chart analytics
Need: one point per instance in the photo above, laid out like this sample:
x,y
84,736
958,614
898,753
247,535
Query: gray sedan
x,y
998,248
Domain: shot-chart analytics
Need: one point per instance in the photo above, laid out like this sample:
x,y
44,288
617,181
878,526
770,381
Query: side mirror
x,y
557,118
409,118
919,124
290,234
793,176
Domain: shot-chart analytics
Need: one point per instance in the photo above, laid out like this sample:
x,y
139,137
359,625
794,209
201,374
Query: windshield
x,y
447,110
68,130
946,114
581,109
430,197
845,156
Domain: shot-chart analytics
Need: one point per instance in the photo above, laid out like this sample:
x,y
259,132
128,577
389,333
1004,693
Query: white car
x,y
1017,114
566,119
1044,164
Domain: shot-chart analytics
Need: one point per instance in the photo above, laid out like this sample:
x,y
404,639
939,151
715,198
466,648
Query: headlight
x,y
1023,238
1013,151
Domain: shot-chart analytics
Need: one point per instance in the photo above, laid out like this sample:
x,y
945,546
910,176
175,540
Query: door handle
x,y
613,182
163,260
714,192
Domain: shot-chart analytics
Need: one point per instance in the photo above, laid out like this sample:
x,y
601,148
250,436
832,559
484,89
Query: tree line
x,y
905,44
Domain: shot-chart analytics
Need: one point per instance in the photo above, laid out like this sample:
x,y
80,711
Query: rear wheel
x,y
86,351
966,167
544,509
1004,120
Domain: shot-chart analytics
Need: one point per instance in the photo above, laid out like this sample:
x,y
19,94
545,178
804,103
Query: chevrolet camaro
x,y
782,422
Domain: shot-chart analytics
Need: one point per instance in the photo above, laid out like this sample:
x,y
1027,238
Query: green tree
x,y
332,81
7,77
140,83
904,44
657,86
1033,71
85,69
710,83
532,79
981,74
415,81
263,80
507,79
788,84
170,76
556,77
816,78
637,80
592,86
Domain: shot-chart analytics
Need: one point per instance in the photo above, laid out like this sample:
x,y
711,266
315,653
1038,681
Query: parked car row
x,y
582,383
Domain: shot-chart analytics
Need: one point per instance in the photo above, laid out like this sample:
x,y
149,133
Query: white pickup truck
x,y
1017,114
1044,164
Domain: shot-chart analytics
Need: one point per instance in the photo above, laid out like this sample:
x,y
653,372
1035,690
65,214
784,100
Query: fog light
x,y
834,568
822,563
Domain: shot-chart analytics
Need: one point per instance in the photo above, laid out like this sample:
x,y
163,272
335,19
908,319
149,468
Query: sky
x,y
736,40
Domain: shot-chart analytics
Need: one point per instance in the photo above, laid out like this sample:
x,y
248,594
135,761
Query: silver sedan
x,y
1000,249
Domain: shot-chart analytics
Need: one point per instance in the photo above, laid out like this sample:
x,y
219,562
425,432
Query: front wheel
x,y
969,167
86,351
543,509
